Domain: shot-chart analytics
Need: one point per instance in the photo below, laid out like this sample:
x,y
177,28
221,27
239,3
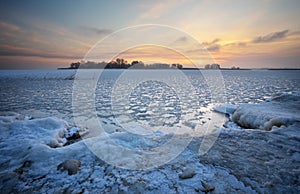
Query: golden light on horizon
x,y
150,54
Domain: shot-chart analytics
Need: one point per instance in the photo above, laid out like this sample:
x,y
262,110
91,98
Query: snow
x,y
282,110
243,160
29,162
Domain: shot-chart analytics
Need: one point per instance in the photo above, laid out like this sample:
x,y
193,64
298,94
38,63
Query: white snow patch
x,y
280,111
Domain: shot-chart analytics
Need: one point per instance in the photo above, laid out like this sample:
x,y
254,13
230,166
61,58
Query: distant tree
x,y
123,64
235,67
158,66
118,63
215,66
137,65
212,66
74,65
179,66
134,62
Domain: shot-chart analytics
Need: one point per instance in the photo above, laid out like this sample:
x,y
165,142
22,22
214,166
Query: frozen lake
x,y
152,101
52,89
161,149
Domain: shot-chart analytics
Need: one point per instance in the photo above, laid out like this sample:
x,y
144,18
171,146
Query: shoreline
x,y
241,69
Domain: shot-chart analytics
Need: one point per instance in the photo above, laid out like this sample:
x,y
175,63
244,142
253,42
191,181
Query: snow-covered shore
x,y
35,157
280,111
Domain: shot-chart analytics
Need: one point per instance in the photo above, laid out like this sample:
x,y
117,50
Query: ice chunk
x,y
225,108
31,139
280,111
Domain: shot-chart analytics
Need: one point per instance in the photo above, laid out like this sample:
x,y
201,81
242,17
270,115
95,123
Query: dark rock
x,y
73,134
207,188
72,166
187,173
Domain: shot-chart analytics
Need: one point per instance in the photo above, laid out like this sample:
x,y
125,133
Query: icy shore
x,y
265,158
282,110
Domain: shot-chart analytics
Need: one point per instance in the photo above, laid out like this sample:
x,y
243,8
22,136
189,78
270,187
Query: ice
x,y
31,154
286,97
266,161
27,154
38,119
225,109
280,111
37,74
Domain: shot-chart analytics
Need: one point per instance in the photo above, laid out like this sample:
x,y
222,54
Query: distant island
x,y
120,63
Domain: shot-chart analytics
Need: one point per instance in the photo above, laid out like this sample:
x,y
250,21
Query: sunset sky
x,y
46,34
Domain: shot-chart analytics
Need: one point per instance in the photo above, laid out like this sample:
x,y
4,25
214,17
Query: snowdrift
x,y
35,159
280,111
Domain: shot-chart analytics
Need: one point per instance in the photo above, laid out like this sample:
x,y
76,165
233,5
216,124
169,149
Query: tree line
x,y
120,63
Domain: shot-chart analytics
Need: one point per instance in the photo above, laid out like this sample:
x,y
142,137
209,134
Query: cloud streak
x,y
97,31
8,26
236,44
271,37
12,51
212,42
212,46
181,39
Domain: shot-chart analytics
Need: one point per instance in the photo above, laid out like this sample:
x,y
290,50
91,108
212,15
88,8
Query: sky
x,y
43,34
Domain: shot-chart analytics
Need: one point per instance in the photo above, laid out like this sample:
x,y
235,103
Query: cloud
x,y
8,26
181,39
271,37
211,43
242,44
97,31
212,46
59,35
237,44
13,51
294,33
